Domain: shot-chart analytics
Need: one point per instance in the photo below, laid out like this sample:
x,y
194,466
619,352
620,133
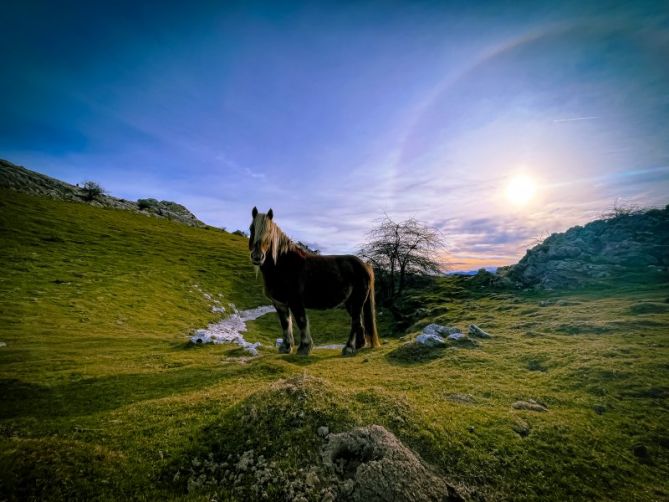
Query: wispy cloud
x,y
574,119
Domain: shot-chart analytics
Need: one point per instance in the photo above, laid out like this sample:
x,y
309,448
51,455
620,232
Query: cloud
x,y
499,240
224,109
574,119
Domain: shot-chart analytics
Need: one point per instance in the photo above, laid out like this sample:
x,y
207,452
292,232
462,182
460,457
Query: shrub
x,y
146,203
92,190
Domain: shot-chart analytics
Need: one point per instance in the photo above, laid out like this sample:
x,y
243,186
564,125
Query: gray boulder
x,y
430,340
438,329
371,464
457,336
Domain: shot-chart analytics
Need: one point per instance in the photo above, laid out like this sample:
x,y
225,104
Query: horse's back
x,y
343,267
330,280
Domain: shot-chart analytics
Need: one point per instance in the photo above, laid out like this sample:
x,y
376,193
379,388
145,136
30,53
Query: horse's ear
x,y
254,213
270,213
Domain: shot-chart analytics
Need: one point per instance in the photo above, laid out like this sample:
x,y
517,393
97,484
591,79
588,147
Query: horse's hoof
x,y
285,349
304,349
348,351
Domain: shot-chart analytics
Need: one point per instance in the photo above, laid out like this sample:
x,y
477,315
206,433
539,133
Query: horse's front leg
x,y
287,326
306,343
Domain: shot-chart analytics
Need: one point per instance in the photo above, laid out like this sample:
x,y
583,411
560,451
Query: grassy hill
x,y
102,398
20,179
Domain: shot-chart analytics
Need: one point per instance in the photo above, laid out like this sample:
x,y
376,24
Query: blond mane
x,y
278,242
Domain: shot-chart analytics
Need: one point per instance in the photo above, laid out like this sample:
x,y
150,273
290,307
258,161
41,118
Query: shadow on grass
x,y
58,469
299,360
92,395
415,353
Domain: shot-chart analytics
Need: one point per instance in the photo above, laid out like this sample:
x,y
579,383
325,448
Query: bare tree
x,y
402,248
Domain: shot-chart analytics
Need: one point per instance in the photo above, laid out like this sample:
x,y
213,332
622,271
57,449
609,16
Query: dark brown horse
x,y
296,279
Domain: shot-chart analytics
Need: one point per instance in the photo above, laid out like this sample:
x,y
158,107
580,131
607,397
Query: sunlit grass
x,y
103,398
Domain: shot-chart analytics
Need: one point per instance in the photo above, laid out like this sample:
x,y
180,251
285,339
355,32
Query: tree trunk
x,y
392,280
402,279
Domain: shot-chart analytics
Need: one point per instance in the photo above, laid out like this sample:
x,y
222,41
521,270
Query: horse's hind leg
x,y
356,338
306,343
287,327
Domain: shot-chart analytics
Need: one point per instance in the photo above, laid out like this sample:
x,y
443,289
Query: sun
x,y
520,190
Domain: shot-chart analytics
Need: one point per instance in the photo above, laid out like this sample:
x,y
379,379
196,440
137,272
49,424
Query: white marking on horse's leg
x,y
288,332
306,343
305,334
349,348
288,339
287,328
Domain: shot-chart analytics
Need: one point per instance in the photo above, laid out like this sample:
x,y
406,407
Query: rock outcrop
x,y
20,179
371,464
628,241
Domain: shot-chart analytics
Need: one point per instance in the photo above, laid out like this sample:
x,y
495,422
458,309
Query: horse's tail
x,y
369,313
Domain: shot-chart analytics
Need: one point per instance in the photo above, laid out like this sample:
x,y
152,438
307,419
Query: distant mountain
x,y
20,179
473,271
624,242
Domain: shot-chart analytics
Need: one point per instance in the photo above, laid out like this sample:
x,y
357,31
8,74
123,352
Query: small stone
x,y
461,398
530,405
477,332
323,431
456,336
279,342
430,340
438,329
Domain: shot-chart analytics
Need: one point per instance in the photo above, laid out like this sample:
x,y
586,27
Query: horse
x,y
296,279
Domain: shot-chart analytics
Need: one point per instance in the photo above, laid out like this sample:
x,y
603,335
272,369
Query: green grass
x,y
103,399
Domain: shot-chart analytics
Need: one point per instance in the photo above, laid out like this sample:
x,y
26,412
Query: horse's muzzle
x,y
257,258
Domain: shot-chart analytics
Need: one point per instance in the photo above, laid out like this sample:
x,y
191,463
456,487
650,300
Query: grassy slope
x,y
101,396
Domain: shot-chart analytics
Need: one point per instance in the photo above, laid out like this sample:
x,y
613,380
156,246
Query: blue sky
x,y
336,113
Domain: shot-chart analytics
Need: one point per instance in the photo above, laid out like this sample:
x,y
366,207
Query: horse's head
x,y
261,236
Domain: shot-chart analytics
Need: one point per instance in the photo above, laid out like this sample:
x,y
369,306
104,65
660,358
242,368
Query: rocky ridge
x,y
24,180
626,241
